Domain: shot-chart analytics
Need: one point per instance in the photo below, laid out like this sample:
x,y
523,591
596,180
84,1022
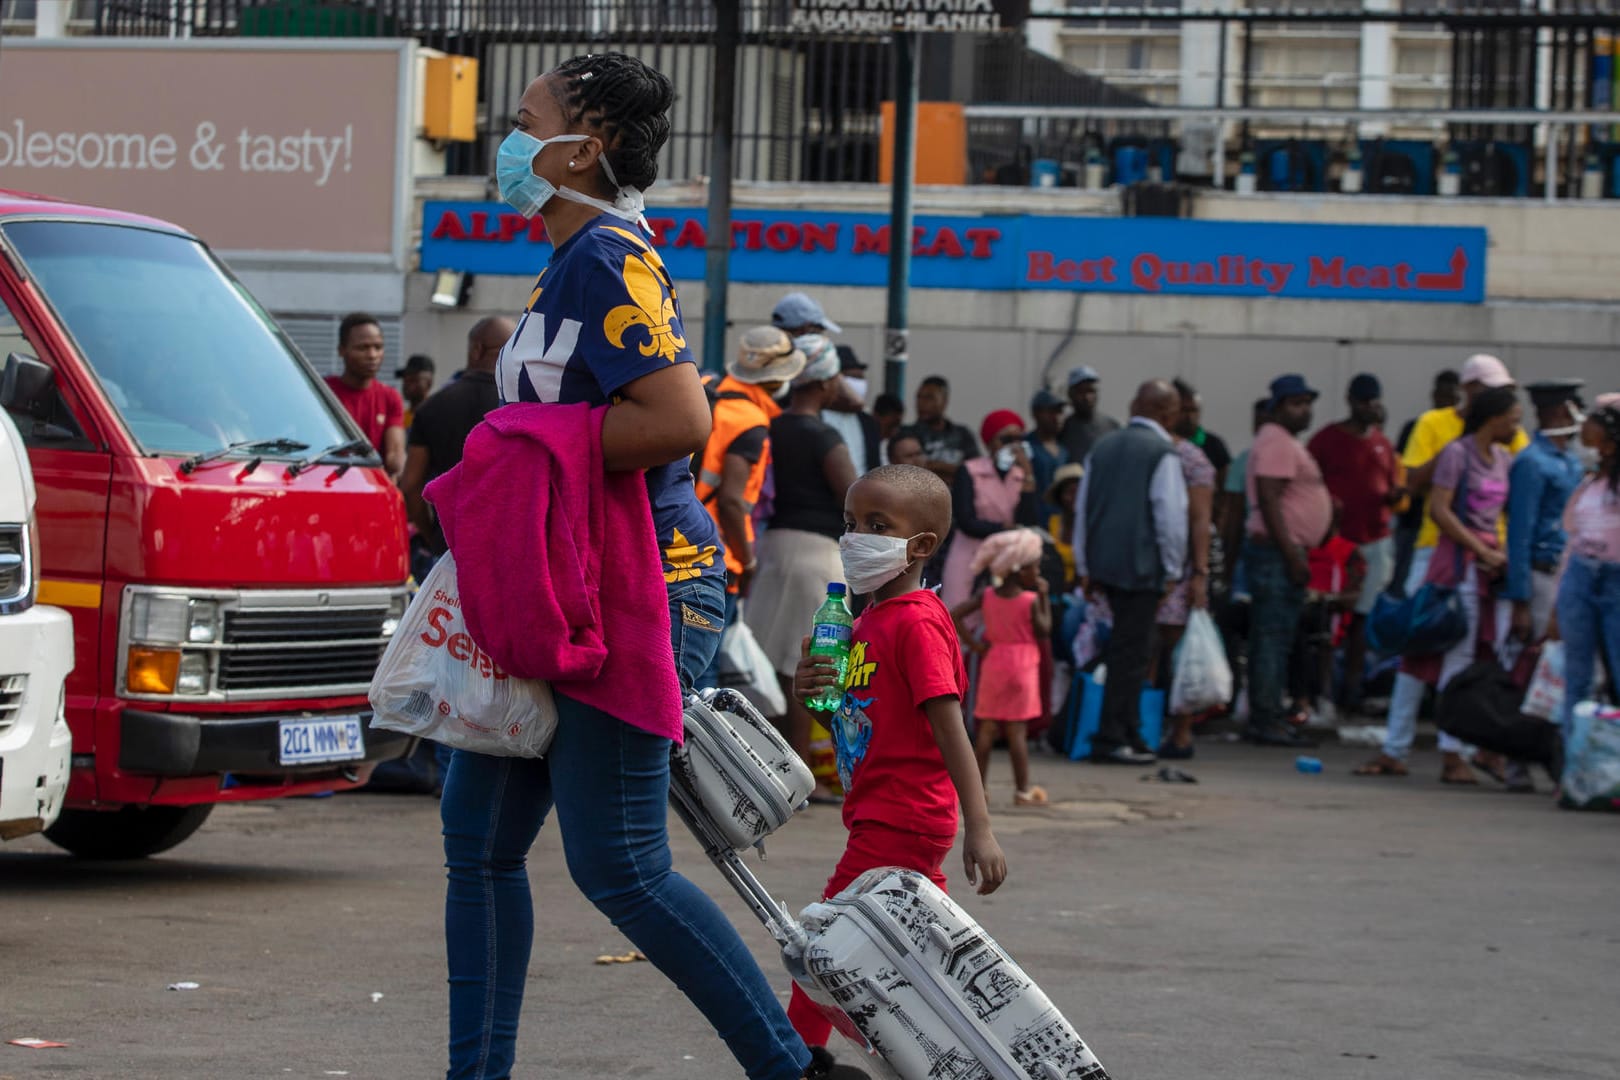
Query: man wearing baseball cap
x,y
1433,432
1085,426
1291,514
1363,476
798,314
1045,444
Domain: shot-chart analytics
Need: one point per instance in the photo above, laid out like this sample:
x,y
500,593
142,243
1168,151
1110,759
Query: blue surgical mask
x,y
514,171
528,194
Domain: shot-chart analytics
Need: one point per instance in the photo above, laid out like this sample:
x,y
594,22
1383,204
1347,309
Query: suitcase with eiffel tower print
x,y
906,974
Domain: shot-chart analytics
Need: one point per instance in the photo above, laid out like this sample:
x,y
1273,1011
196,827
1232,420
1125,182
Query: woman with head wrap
x,y
990,495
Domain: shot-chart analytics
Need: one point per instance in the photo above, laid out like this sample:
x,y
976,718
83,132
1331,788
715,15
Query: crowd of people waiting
x,y
1111,534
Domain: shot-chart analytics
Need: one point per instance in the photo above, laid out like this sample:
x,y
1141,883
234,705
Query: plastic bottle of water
x,y
830,638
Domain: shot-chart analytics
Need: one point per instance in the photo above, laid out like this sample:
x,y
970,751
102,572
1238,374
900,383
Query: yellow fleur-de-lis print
x,y
686,560
649,307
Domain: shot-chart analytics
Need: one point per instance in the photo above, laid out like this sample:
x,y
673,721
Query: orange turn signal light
x,y
152,671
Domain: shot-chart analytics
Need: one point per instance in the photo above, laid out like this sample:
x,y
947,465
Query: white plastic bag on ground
x,y
746,668
1591,779
435,683
1203,678
1545,698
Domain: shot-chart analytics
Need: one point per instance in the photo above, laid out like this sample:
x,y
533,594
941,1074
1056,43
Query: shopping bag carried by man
x,y
434,682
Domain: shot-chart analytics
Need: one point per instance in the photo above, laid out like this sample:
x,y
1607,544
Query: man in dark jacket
x,y
1130,545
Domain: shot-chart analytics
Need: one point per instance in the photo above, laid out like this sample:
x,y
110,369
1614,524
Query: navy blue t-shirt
x,y
603,314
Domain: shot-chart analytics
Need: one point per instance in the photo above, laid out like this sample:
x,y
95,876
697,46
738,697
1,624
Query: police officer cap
x,y
1549,392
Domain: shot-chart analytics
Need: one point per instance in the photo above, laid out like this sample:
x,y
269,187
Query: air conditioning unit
x,y
1398,166
1291,164
1493,168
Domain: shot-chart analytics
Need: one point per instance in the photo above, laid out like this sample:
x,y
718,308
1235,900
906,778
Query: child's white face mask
x,y
872,560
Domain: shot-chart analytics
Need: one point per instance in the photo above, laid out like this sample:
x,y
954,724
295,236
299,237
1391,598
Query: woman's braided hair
x,y
626,104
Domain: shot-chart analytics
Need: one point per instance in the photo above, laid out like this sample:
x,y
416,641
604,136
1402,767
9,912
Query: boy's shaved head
x,y
915,493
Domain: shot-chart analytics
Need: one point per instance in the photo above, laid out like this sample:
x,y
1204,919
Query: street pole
x,y
717,249
896,343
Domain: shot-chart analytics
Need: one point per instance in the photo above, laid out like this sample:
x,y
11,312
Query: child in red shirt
x,y
903,751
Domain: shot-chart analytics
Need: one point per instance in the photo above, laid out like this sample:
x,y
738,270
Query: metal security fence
x,y
808,105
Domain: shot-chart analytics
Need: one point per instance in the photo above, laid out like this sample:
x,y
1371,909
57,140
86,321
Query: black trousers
x,y
1128,656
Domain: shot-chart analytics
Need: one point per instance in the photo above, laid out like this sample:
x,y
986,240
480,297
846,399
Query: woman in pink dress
x,y
1017,619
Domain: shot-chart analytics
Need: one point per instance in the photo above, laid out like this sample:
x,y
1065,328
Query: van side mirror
x,y
27,386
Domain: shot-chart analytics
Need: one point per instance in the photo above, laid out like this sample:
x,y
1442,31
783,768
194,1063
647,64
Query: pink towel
x,y
532,518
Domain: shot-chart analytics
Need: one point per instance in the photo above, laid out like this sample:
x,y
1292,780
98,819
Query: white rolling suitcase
x,y
897,966
739,768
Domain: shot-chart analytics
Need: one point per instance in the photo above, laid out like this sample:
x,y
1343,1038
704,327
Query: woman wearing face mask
x,y
798,555
603,326
1589,589
989,495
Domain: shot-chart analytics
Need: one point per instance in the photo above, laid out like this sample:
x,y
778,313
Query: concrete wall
x,y
1554,310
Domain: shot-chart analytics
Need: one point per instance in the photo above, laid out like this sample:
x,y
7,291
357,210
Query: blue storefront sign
x,y
1140,256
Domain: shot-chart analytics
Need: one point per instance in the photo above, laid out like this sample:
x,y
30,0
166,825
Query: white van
x,y
36,654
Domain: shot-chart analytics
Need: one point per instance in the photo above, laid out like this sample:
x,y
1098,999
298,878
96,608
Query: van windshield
x,y
187,357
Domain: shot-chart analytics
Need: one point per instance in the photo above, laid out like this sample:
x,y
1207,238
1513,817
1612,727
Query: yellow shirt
x,y
1433,432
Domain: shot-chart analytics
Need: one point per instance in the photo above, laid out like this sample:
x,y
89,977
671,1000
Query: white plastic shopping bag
x,y
746,668
434,682
1203,678
1545,698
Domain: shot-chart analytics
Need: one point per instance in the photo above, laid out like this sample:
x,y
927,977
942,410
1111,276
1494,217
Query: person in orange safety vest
x,y
732,470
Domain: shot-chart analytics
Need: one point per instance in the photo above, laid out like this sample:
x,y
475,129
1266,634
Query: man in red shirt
x,y
1362,473
378,409
903,750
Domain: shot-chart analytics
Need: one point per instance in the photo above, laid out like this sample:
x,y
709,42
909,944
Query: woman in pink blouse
x,y
1589,590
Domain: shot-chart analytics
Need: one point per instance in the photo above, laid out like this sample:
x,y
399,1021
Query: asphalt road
x,y
1263,923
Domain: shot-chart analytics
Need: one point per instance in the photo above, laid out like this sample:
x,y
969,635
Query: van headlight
x,y
157,619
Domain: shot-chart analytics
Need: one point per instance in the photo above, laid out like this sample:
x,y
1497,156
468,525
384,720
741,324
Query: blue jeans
x,y
1588,619
711,674
1273,619
610,785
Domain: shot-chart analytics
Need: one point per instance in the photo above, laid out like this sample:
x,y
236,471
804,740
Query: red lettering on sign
x,y
870,241
1041,266
782,236
537,230
692,235
1145,271
449,227
511,225
661,228
480,226
751,233
945,243
981,239
823,236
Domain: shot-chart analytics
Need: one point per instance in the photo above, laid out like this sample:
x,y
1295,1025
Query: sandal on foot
x,y
1035,796
1382,765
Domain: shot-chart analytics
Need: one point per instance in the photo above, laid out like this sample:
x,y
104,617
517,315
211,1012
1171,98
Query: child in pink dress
x,y
1017,624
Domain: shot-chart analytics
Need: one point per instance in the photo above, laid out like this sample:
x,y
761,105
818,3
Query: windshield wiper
x,y
353,446
276,446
